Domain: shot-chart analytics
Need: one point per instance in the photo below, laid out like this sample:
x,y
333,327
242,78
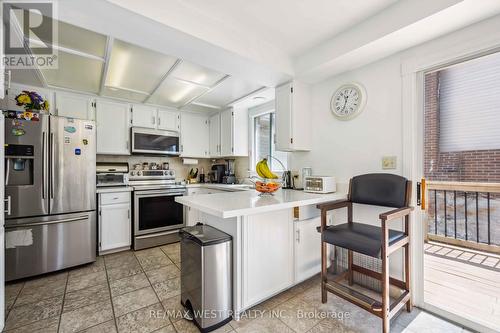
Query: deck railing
x,y
465,214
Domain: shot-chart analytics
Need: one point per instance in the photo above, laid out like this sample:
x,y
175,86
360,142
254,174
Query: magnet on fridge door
x,y
70,129
78,151
18,131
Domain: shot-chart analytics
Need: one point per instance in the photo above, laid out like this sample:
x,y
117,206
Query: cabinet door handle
x,y
8,201
159,121
9,76
298,236
153,120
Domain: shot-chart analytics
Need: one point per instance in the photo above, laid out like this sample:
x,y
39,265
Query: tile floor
x,y
119,292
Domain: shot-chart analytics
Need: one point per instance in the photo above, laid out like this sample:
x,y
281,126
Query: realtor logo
x,y
29,34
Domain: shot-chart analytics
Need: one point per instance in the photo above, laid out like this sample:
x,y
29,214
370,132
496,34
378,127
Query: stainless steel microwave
x,y
151,141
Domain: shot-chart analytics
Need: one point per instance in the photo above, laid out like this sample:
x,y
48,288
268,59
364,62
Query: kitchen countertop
x,y
112,189
226,205
224,187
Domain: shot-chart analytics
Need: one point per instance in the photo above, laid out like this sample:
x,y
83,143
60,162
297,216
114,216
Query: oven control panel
x,y
151,174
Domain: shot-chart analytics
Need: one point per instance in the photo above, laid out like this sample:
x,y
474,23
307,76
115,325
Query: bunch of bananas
x,y
263,170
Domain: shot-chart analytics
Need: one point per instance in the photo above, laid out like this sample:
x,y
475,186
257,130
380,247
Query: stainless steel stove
x,y
157,217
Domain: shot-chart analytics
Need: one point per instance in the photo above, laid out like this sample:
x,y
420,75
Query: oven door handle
x,y
155,193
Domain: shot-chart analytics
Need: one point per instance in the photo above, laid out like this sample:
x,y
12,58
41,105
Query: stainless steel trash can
x,y
206,276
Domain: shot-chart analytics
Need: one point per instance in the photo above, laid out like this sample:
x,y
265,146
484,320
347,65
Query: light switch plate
x,y
389,162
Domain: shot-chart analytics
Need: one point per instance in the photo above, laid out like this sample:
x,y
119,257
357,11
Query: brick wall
x,y
472,165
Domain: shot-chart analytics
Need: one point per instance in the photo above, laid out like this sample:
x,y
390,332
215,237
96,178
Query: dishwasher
x,y
206,276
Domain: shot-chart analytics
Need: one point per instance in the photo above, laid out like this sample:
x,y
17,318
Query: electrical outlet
x,y
389,162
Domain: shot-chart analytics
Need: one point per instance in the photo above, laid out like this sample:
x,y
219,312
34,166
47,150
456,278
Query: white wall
x,y
347,148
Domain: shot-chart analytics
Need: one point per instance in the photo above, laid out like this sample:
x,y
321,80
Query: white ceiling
x,y
110,67
312,40
293,26
229,48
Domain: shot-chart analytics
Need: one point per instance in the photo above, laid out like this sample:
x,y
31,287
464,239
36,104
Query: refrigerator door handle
x,y
52,161
74,219
43,166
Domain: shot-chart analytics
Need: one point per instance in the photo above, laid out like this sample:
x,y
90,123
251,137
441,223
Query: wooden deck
x,y
464,282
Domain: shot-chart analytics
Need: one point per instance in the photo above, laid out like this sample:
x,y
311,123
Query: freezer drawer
x,y
40,245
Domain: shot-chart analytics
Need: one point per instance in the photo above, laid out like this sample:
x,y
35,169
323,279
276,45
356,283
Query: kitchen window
x,y
262,129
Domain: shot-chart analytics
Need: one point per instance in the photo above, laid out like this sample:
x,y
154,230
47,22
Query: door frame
x,y
413,70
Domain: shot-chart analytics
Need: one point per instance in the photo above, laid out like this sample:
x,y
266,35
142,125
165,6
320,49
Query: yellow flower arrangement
x,y
31,100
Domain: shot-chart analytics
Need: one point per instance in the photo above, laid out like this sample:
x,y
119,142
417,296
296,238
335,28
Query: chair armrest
x,y
395,213
331,205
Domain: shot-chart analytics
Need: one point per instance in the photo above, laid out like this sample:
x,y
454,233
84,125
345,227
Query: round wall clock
x,y
348,101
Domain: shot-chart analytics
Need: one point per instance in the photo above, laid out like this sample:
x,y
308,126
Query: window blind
x,y
469,105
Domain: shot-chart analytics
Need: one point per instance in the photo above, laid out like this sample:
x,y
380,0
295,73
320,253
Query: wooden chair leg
x,y
324,296
385,280
349,267
385,295
407,275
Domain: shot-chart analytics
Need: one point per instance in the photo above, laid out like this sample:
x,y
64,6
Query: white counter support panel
x,y
264,243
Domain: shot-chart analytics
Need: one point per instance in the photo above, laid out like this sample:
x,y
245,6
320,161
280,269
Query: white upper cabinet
x,y
226,132
151,117
293,117
234,132
74,106
144,116
113,123
194,135
168,120
214,122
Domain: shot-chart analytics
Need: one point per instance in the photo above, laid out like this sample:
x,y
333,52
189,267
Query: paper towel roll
x,y
190,161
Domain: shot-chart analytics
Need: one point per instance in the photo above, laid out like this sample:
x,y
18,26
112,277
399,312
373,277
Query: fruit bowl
x,y
269,182
267,186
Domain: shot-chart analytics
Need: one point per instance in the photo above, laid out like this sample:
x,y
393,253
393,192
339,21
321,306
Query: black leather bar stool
x,y
378,189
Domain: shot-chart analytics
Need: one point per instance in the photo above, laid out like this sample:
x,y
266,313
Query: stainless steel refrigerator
x,y
50,195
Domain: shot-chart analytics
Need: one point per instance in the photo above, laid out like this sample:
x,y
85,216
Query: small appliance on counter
x,y
202,175
229,177
111,174
287,180
218,173
320,184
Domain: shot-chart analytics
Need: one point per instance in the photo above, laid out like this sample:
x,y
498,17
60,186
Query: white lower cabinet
x,y
267,255
307,248
115,228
